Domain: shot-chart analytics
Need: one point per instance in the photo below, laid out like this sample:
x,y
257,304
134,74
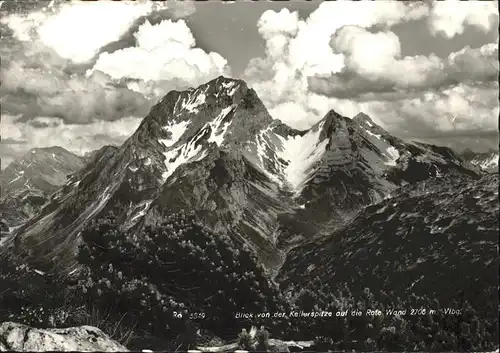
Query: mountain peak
x,y
42,169
363,118
199,102
332,115
182,126
487,161
331,124
51,149
224,81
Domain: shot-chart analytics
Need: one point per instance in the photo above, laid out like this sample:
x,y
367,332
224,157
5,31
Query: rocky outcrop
x,y
4,228
487,161
22,338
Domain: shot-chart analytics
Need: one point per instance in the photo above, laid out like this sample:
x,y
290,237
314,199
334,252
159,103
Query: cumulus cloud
x,y
76,30
349,60
165,52
19,137
373,64
35,82
450,17
476,64
57,64
463,107
297,49
44,64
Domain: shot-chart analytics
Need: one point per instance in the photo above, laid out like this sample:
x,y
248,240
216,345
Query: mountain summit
x,y
43,169
216,150
27,182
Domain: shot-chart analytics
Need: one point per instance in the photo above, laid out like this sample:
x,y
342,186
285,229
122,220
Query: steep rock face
x,y
17,208
22,338
188,150
229,194
27,183
91,156
341,165
216,150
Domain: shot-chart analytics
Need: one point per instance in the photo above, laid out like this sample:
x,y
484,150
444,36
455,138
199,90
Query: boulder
x,y
18,337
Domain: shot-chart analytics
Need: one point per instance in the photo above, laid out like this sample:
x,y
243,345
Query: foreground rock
x,y
22,338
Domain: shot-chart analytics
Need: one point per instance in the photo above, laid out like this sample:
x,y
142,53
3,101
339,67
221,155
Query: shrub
x,y
179,266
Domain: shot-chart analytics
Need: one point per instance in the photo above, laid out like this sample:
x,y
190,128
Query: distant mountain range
x,y
343,202
27,182
216,150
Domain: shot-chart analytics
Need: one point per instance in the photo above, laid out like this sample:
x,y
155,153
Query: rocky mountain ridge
x,y
43,169
212,206
27,183
216,150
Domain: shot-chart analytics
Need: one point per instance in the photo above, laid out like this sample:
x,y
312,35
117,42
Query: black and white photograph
x,y
249,176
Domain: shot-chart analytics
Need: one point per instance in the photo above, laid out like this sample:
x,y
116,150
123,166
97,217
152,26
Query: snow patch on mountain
x,y
219,130
188,152
301,153
176,130
137,212
230,87
16,178
393,155
491,162
374,135
263,146
194,101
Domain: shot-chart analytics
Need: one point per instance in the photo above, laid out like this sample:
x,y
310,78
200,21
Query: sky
x,y
83,74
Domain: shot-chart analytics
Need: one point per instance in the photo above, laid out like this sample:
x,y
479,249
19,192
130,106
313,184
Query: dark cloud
x,y
38,124
467,65
25,6
480,142
347,85
19,136
11,141
37,82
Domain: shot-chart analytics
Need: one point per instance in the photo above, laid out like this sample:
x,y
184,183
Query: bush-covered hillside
x,y
165,282
426,248
432,248
180,266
